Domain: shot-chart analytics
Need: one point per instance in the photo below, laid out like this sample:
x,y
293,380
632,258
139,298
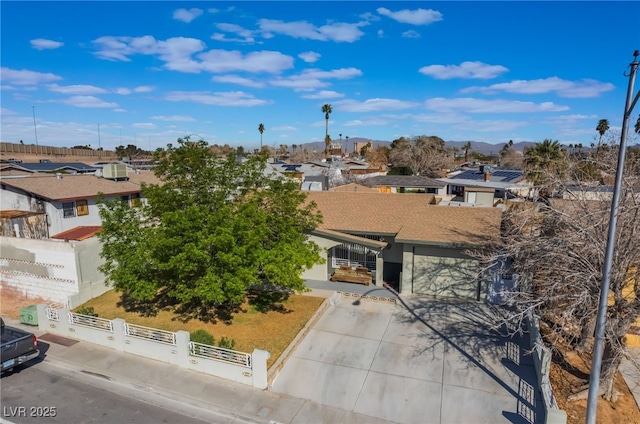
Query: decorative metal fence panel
x,y
220,354
91,321
52,314
154,334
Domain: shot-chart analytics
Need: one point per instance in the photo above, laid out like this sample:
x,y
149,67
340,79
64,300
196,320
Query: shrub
x,y
202,336
227,343
86,310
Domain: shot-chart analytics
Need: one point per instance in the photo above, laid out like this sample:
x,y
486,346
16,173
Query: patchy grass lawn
x,y
272,331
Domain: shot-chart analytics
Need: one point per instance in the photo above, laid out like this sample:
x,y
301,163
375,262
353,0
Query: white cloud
x,y
473,70
44,44
258,61
309,57
26,77
284,128
380,33
472,105
366,123
245,35
411,34
144,125
144,89
374,105
187,15
414,17
337,31
573,89
311,79
235,79
173,118
324,94
88,102
76,89
175,52
229,98
140,89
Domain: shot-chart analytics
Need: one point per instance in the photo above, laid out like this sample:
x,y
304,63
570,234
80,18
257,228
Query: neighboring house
x,y
467,186
406,183
405,241
67,201
46,166
48,225
54,270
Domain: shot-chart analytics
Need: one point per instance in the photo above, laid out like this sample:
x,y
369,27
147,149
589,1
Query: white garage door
x,y
445,272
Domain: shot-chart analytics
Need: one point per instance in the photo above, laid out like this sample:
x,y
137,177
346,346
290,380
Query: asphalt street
x,y
50,392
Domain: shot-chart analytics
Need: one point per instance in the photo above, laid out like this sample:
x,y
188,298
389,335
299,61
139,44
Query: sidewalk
x,y
237,402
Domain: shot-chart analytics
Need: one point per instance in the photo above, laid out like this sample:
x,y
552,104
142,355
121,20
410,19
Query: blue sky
x,y
146,73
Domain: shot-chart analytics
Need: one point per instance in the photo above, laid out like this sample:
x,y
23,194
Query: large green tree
x,y
212,230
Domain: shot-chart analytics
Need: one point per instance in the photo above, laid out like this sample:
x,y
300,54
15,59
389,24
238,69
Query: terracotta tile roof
x,y
77,186
78,233
409,217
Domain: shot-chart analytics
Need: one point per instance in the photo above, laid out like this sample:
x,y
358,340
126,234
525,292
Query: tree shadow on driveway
x,y
477,333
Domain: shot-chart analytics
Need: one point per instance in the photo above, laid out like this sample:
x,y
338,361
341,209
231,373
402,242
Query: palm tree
x,y
326,109
466,149
603,127
543,160
346,137
294,147
261,130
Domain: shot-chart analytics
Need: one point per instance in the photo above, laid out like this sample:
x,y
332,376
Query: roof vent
x,y
58,175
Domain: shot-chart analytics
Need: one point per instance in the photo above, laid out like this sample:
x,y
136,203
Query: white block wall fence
x,y
173,348
542,365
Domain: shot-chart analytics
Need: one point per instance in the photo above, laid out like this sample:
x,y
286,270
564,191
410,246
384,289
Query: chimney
x,y
487,175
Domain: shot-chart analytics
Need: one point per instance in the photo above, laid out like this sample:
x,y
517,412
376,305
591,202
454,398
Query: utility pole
x,y
98,136
596,362
35,129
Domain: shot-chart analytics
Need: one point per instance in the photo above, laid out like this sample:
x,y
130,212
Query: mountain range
x,y
476,146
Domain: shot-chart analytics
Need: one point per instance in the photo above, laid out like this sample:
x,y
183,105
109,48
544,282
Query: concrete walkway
x,y
424,361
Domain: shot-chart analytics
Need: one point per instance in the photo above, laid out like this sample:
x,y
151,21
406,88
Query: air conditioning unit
x,y
114,171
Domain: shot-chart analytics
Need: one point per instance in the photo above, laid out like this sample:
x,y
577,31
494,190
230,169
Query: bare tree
x,y
557,247
422,155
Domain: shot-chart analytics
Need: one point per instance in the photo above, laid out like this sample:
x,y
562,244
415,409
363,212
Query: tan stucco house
x,y
404,240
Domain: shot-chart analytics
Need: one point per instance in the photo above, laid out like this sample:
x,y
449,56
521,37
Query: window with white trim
x,y
68,209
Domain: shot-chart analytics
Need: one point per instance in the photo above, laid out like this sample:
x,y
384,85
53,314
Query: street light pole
x,y
596,362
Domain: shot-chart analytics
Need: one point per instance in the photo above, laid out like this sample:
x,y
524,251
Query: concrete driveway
x,y
418,361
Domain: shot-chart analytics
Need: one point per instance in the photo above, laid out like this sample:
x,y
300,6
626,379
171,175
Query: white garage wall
x,y
441,272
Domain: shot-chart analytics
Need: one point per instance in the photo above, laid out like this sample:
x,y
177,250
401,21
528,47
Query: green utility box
x,y
29,315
